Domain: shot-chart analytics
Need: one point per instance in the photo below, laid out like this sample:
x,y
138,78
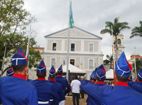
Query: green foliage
x,y
34,57
108,61
13,21
13,42
114,28
138,64
13,16
137,31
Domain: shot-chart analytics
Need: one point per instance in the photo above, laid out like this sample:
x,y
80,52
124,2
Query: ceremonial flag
x,y
71,21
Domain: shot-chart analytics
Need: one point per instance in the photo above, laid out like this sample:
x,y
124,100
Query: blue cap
x,y
60,69
41,68
93,75
139,74
101,72
122,67
19,58
52,72
10,71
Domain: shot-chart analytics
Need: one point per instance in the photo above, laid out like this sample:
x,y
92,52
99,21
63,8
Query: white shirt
x,y
75,85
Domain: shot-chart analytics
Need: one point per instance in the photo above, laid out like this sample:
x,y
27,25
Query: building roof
x,y
75,28
136,56
73,69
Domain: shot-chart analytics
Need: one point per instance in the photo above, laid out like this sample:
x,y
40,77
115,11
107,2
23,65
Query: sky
x,y
90,15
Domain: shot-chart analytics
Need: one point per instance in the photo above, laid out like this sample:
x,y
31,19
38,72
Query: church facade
x,y
84,49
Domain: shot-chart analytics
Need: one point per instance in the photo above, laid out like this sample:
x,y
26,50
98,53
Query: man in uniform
x,y
15,90
44,88
137,85
56,86
97,78
121,93
63,81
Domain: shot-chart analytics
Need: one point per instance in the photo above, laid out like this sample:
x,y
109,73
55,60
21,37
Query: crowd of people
x,y
123,92
17,89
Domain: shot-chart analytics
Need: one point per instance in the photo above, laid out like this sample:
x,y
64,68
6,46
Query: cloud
x,y
90,15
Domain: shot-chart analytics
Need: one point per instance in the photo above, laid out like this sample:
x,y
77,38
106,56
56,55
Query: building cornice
x,y
49,36
74,53
72,38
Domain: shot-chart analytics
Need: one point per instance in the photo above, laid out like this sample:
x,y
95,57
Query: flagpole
x,y
68,41
71,25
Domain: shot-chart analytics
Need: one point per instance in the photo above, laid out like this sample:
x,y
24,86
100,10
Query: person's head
x,y
41,70
139,75
52,72
60,70
9,71
75,77
100,73
19,62
122,69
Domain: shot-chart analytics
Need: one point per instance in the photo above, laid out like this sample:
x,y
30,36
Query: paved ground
x,y
69,101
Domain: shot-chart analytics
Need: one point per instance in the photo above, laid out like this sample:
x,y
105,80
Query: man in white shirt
x,y
75,87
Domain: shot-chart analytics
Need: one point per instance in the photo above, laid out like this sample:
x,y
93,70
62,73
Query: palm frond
x,y
137,31
106,31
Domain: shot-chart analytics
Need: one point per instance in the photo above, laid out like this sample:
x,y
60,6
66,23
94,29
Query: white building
x,y
84,52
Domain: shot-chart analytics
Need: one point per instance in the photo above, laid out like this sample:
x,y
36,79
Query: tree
x,y
13,21
109,61
114,29
137,31
13,42
138,64
13,16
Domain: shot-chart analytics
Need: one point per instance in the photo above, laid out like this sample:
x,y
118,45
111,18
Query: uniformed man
x,y
121,93
98,77
56,86
15,90
137,85
90,100
44,88
63,81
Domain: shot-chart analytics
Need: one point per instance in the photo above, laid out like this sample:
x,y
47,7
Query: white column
x,y
82,45
63,45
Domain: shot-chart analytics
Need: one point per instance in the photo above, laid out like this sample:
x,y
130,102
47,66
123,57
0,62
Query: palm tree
x,y
109,61
114,29
137,31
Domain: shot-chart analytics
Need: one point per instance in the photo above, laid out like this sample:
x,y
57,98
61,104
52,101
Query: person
x,y
75,88
137,85
81,92
9,71
44,88
97,78
121,93
56,86
90,100
63,81
15,90
100,75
